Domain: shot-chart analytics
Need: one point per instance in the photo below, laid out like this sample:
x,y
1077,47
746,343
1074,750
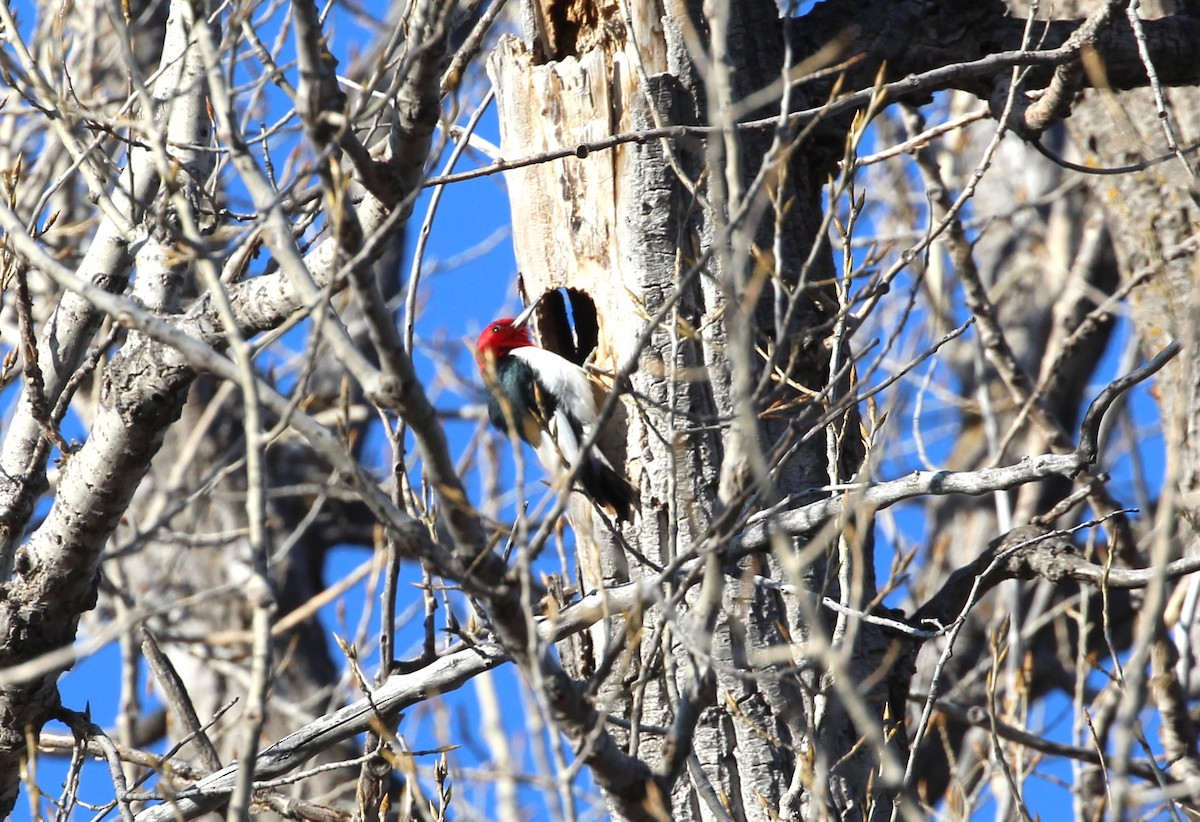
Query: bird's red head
x,y
500,338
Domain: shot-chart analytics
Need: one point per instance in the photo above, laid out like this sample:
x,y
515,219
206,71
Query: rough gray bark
x,y
589,233
637,239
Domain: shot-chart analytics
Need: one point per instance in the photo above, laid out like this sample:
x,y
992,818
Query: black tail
x,y
607,487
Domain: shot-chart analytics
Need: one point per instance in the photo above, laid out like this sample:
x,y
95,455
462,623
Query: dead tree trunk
x,y
685,264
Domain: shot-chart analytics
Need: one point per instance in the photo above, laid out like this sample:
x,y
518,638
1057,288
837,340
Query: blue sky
x,y
463,288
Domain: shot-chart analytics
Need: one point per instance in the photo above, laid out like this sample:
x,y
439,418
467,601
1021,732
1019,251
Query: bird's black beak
x,y
524,317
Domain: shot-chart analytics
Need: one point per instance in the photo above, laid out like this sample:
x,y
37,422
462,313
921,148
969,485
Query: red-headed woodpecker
x,y
553,404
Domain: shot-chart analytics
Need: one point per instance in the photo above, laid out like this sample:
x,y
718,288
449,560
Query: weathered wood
x,y
627,228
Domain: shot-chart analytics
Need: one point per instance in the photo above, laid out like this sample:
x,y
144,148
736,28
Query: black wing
x,y
518,387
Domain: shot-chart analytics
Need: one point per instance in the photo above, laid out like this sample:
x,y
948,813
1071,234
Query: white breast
x,y
570,385
566,380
